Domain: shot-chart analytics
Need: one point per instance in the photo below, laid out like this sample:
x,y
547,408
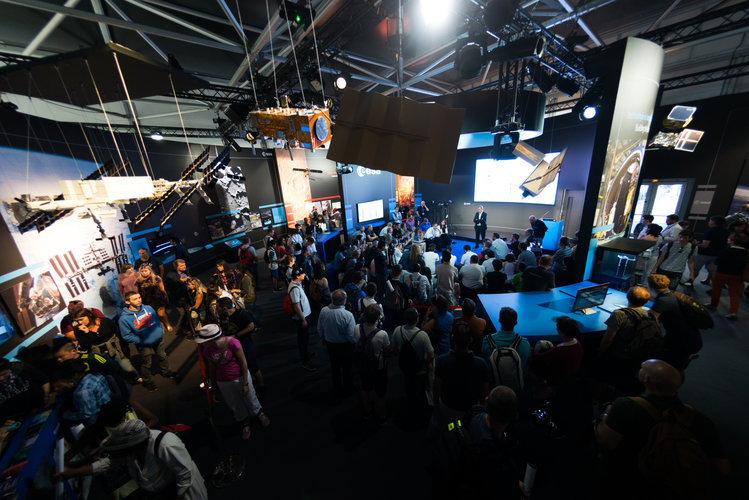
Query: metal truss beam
x,y
702,26
707,76
147,130
218,93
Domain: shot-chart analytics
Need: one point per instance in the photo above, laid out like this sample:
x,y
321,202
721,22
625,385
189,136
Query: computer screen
x,y
590,297
370,210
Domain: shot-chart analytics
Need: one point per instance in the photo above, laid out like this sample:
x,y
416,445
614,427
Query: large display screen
x,y
500,180
370,210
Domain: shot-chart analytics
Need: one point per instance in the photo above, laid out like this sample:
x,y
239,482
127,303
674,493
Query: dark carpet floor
x,y
318,448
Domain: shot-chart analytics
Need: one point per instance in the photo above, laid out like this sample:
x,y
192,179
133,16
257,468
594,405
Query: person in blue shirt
x,y
90,391
425,225
336,327
140,326
438,322
508,318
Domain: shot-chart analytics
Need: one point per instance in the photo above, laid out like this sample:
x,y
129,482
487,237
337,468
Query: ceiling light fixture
x,y
435,12
156,136
340,82
589,112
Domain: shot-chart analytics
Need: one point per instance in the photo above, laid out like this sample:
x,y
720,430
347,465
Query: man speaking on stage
x,y
479,223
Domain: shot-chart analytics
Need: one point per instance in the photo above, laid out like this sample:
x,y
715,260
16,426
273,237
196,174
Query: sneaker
x,y
689,283
246,431
708,305
150,386
731,316
705,282
263,418
309,368
169,374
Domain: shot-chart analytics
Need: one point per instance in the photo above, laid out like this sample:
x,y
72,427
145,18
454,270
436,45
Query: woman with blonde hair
x,y
151,289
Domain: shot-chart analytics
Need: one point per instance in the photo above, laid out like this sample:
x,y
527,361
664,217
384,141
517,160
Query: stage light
x,y
469,60
340,82
435,12
589,112
156,136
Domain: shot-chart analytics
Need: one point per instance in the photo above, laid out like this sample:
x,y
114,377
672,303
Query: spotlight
x,y
435,12
589,112
340,82
504,145
156,136
469,60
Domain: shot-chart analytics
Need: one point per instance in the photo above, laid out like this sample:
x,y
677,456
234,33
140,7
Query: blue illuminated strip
x,y
219,215
20,272
304,128
36,335
601,229
279,224
306,145
145,231
273,205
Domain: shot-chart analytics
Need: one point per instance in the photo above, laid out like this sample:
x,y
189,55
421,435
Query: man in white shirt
x,y
467,254
500,247
386,230
431,257
670,233
472,277
433,234
446,275
487,264
296,238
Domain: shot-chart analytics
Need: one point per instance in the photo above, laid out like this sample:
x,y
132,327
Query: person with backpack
x,y
681,317
419,285
507,352
675,258
632,336
300,313
461,380
396,298
157,461
657,446
371,344
355,294
415,359
271,258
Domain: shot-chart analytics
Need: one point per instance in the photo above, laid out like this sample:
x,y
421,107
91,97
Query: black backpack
x,y
672,459
647,342
408,360
694,313
394,298
364,350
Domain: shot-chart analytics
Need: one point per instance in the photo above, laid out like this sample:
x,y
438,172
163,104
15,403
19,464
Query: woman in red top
x,y
228,371
563,360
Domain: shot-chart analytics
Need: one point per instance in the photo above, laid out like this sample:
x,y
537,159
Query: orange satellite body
x,y
308,128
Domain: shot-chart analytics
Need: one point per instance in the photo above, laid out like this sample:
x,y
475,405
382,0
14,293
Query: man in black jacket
x,y
539,279
479,224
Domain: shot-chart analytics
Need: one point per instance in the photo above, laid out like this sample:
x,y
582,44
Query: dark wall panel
x,y
360,186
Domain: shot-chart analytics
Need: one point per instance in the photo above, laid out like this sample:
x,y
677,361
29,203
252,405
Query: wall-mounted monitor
x,y
500,181
370,210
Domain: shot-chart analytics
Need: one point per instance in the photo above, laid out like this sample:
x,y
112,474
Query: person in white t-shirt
x,y
372,342
467,253
500,247
431,257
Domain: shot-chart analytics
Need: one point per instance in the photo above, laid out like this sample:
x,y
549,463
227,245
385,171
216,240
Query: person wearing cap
x,y
64,349
140,326
156,460
302,311
228,371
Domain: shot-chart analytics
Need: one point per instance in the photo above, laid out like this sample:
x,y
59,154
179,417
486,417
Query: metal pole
x,y
400,48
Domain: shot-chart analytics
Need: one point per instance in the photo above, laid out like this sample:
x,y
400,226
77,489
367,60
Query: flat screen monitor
x,y
279,215
370,210
500,181
590,297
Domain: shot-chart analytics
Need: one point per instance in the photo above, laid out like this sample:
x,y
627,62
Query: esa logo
x,y
362,171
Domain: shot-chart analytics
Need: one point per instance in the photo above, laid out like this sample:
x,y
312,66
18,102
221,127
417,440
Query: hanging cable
x,y
80,124
179,112
247,54
147,163
317,54
106,116
293,51
272,55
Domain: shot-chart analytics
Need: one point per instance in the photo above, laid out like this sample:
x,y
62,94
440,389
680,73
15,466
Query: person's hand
x,y
65,474
245,389
304,323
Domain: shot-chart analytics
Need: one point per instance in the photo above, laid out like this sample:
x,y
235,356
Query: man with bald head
x,y
336,328
626,424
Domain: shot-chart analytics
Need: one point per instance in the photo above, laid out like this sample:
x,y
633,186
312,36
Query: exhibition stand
x,y
327,244
537,311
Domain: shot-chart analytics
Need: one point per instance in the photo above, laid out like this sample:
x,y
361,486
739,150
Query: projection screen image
x,y
500,181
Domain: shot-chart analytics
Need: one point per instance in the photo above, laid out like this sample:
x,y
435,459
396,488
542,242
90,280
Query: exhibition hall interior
x,y
377,248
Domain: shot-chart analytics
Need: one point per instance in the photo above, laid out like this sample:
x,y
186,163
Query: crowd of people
x,y
397,301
